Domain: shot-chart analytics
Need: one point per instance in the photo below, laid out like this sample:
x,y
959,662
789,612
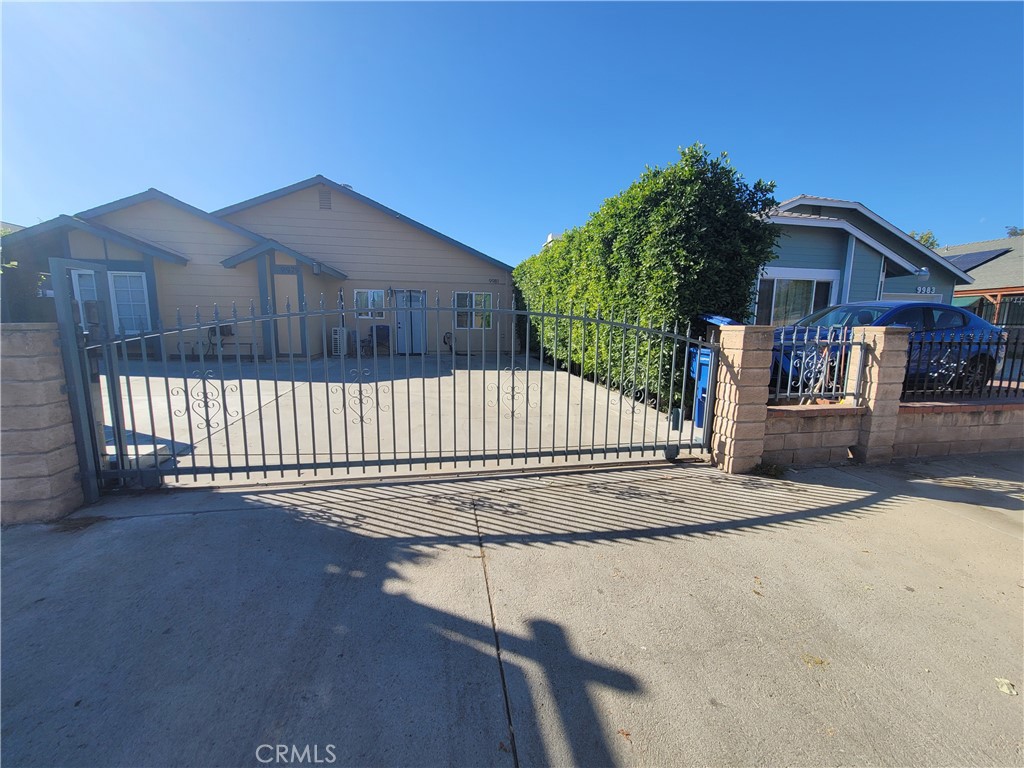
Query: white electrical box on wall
x,y
339,342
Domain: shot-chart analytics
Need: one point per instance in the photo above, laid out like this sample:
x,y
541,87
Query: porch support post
x,y
266,300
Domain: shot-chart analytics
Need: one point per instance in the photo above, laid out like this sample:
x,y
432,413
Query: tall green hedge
x,y
679,242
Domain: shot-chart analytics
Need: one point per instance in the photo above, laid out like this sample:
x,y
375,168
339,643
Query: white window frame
x,y
798,273
76,289
473,311
76,275
113,301
371,311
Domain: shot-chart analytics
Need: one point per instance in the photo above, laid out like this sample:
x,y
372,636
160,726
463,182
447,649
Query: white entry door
x,y
410,322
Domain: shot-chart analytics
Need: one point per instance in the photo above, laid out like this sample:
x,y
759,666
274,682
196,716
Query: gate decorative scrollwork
x,y
363,397
512,392
203,398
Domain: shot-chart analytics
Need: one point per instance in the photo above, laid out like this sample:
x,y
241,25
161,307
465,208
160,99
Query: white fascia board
x,y
846,226
925,251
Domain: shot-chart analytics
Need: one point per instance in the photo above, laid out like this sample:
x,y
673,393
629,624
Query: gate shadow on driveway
x,y
190,628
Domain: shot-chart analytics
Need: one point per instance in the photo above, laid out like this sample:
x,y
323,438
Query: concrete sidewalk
x,y
663,615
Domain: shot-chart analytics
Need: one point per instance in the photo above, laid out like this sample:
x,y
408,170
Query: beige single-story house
x,y
293,247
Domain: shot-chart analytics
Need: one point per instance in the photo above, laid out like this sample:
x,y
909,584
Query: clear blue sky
x,y
499,123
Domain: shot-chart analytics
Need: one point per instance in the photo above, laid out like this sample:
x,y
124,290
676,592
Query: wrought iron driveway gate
x,y
331,394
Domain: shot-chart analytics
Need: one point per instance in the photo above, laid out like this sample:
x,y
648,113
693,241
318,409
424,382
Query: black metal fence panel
x,y
306,393
815,364
983,365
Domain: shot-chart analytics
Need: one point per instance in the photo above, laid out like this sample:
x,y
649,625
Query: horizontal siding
x,y
867,265
180,231
810,248
204,285
942,283
363,242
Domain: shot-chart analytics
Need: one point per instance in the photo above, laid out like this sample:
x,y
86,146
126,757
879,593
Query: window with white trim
x,y
368,302
83,283
785,295
129,296
472,310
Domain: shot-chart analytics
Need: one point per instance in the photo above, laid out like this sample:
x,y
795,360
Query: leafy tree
x,y
927,239
1014,231
680,241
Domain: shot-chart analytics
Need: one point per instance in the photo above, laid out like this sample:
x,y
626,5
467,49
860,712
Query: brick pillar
x,y
38,457
885,366
741,398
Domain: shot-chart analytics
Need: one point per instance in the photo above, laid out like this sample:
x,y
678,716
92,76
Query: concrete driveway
x,y
663,615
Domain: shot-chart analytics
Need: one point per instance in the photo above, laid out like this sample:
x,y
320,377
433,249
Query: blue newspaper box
x,y
700,368
700,372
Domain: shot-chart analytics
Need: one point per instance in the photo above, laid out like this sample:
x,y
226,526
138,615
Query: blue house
x,y
832,251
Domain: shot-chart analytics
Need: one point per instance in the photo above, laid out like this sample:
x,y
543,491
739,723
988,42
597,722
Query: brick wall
x,y
810,434
38,457
949,429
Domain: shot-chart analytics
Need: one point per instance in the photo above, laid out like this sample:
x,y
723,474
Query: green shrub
x,y
679,242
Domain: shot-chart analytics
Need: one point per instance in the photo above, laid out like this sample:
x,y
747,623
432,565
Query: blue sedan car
x,y
950,349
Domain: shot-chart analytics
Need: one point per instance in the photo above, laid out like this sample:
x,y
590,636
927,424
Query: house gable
x,y
370,243
880,231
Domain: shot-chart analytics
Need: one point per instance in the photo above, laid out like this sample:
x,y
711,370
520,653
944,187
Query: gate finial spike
x,y
323,306
234,311
198,316
341,300
177,316
437,299
453,299
288,304
252,308
216,312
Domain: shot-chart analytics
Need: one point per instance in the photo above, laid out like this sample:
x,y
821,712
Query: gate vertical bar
x,y
255,326
541,366
144,344
76,374
218,341
709,403
241,390
294,383
167,398
304,331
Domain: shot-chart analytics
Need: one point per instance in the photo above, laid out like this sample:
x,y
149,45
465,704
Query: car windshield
x,y
845,316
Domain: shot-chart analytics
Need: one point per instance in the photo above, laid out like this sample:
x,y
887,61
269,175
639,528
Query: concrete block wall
x,y
748,432
885,367
38,457
741,397
810,434
951,429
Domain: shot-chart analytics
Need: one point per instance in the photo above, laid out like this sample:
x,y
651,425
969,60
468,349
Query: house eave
x,y
867,212
344,190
